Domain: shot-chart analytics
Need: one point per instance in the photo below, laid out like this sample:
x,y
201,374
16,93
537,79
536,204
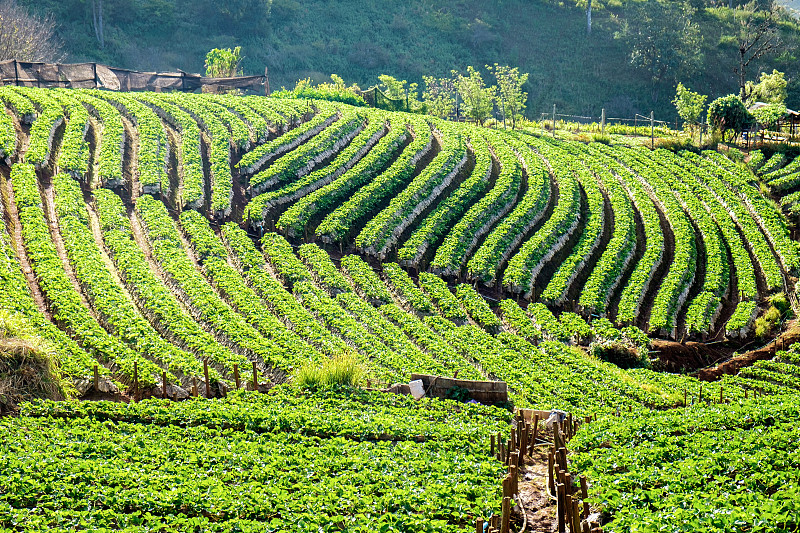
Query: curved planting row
x,y
447,198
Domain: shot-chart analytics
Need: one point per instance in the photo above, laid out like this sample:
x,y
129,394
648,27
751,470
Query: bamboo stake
x,y
576,515
205,373
506,525
584,495
135,380
560,498
568,508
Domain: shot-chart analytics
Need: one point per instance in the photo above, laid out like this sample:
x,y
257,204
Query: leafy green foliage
x,y
728,114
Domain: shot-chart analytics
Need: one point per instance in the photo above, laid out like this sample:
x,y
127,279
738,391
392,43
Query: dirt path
x,y
540,508
733,365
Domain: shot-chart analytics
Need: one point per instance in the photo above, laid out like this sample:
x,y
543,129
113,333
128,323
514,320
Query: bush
x,y
781,302
337,372
600,138
763,328
618,354
28,365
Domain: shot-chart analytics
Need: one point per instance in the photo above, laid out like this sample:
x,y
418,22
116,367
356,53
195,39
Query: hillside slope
x,y
360,40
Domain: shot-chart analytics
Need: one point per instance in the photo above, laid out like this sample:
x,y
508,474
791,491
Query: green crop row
x,y
382,232
338,224
300,161
294,221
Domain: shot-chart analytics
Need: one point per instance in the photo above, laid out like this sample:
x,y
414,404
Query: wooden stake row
x,y
573,509
194,390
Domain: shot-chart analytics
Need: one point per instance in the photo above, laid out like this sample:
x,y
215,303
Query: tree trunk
x,y
97,21
589,16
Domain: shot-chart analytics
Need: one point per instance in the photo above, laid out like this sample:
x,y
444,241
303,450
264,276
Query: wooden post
x,y
194,387
568,482
745,394
535,431
479,525
576,515
652,132
505,527
236,376
164,384
96,379
720,393
562,528
266,81
255,377
603,121
492,446
205,374
513,440
550,467
554,120
563,454
584,495
585,527
135,380
568,518
16,73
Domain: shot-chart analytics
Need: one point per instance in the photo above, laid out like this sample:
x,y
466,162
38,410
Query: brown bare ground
x,y
540,508
734,364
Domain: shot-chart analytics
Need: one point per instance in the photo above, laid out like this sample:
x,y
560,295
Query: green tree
x,y
770,89
728,114
768,115
511,97
223,62
439,96
399,90
689,104
663,40
478,99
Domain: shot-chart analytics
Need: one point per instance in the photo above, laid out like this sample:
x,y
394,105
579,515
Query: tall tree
x,y
478,99
509,91
662,39
26,37
97,22
689,104
758,36
439,96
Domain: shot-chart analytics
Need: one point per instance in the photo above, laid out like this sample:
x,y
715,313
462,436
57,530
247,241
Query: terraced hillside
x,y
167,243
124,241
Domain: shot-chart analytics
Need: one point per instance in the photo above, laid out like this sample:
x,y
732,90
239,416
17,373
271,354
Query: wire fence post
x,y
554,121
652,132
603,121
94,71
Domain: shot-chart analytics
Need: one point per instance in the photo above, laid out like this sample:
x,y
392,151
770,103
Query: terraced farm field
x,y
179,242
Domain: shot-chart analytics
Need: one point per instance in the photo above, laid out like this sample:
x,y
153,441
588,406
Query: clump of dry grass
x,y
28,365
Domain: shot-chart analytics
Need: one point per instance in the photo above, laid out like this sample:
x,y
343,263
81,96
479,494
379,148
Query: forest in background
x,y
696,42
